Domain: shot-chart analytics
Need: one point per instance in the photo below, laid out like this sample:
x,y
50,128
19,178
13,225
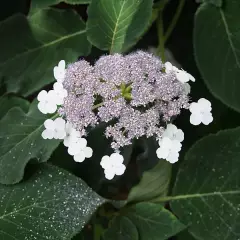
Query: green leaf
x,y
39,4
43,40
152,221
185,236
121,228
154,183
52,204
7,102
115,25
21,141
217,3
207,189
217,50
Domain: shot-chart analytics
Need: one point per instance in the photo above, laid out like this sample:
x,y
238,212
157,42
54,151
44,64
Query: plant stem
x,y
174,20
160,30
97,105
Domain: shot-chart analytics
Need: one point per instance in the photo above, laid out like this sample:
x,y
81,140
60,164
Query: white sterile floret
x,y
72,135
59,71
60,93
79,150
169,149
169,67
47,102
173,133
201,112
187,88
54,129
113,165
184,76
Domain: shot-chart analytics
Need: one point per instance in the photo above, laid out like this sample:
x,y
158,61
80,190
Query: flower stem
x,y
174,20
97,105
160,30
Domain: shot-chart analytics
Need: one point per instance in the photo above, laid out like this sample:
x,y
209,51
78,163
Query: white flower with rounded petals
x,y
187,88
169,149
84,153
60,93
201,112
75,147
47,102
173,133
72,135
59,71
113,165
169,67
54,129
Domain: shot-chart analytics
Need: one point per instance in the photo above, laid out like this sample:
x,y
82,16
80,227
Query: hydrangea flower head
x,y
137,95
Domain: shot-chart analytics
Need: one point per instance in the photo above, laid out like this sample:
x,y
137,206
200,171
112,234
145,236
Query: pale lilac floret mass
x,y
133,92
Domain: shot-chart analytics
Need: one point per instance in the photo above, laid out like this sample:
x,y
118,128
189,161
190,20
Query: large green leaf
x,y
154,183
42,41
52,204
7,102
21,141
38,4
115,25
206,196
152,222
217,50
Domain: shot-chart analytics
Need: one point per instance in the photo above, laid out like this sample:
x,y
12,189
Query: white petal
x,y
195,119
49,124
62,64
46,134
58,86
80,157
59,134
194,108
74,149
52,96
207,118
119,170
205,104
173,157
42,95
82,142
116,157
42,107
168,67
179,135
187,88
51,108
60,123
166,143
182,76
105,161
109,174
88,152
176,146
162,153
191,78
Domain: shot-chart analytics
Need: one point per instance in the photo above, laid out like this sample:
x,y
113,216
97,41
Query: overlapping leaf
x,y
39,4
144,221
21,141
154,183
32,47
207,190
217,50
52,204
115,25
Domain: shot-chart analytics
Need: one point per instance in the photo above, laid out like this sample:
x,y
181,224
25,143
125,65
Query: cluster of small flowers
x,y
136,93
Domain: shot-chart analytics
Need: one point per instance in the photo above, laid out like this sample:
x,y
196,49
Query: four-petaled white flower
x,y
201,112
47,102
173,133
54,129
113,165
181,75
169,149
78,149
60,93
59,71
